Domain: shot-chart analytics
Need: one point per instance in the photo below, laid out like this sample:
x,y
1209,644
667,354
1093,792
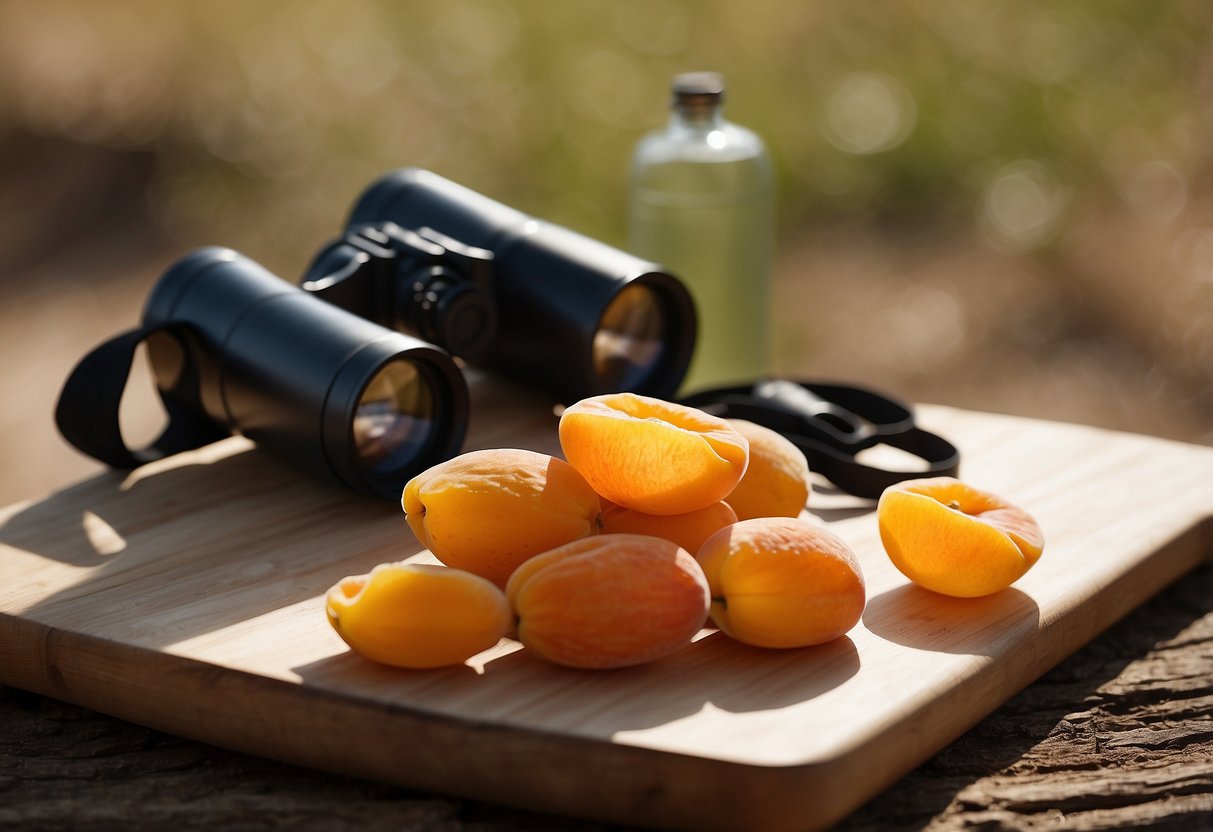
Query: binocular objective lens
x,y
394,421
630,339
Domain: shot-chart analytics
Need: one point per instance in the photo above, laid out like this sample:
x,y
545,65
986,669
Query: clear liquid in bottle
x,y
702,204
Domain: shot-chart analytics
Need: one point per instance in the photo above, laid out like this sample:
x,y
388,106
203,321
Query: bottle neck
x,y
696,118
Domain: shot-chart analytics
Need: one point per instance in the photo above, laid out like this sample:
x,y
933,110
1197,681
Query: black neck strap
x,y
832,424
867,481
87,410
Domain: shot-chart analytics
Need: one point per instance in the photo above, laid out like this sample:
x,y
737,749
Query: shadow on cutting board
x,y
177,550
915,617
523,689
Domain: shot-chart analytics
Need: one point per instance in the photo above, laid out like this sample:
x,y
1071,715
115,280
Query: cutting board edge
x,y
728,787
652,786
1184,553
122,670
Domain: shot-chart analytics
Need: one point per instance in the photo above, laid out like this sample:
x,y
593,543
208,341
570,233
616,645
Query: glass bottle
x,y
701,203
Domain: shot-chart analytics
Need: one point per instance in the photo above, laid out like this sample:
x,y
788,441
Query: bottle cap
x,y
698,90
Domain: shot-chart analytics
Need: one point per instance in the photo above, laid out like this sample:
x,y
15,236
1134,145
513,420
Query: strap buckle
x,y
833,423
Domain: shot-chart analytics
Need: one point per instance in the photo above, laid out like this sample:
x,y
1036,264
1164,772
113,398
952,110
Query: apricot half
x,y
651,455
418,615
782,582
951,538
607,601
488,511
776,482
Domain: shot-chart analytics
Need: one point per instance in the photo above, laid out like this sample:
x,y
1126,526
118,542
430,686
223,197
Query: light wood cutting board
x,y
188,596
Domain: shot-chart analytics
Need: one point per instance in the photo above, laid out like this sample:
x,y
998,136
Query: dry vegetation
x,y
1001,206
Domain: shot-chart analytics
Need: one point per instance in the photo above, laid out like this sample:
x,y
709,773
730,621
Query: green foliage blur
x,y
996,204
265,119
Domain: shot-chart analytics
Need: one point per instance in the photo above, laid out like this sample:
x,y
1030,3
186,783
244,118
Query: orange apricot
x,y
776,483
418,615
688,530
951,538
611,600
488,511
651,455
782,582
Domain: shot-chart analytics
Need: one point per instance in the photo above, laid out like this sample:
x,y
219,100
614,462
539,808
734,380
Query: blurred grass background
x,y
1003,205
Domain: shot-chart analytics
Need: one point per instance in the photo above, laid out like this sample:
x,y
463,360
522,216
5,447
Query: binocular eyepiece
x,y
351,373
234,349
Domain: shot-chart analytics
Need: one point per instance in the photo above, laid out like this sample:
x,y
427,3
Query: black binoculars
x,y
352,373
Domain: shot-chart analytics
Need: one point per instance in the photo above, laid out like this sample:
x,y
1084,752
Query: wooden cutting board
x,y
188,596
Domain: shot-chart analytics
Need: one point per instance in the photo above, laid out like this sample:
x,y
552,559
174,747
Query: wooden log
x,y
1120,735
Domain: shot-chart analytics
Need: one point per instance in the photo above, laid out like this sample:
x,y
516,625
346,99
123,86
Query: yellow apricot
x,y
611,600
488,511
782,582
951,538
418,615
776,483
651,455
688,530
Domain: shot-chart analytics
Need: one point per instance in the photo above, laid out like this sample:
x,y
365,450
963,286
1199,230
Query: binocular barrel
x,y
303,379
573,314
352,374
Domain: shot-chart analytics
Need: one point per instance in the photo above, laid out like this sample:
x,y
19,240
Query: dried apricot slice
x,y
776,483
688,530
488,511
954,539
611,600
782,582
651,455
418,615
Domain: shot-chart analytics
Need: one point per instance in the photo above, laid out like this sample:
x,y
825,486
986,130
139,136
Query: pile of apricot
x,y
660,519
